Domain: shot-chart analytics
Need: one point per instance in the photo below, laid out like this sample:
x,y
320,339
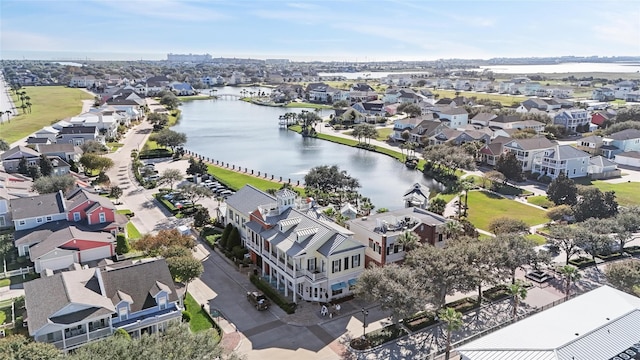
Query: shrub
x,y
419,321
546,179
122,333
238,252
186,316
225,236
581,262
463,305
496,293
122,244
234,239
273,294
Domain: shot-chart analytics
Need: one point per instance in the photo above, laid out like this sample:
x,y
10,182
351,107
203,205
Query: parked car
x,y
225,192
257,299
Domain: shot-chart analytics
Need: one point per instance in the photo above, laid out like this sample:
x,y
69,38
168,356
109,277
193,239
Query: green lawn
x,y
304,105
484,207
236,180
200,321
19,279
446,197
505,100
194,97
538,239
132,231
540,200
174,115
49,104
383,134
627,194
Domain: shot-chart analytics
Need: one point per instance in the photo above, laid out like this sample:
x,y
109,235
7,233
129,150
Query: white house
x,y
455,117
296,250
526,150
565,159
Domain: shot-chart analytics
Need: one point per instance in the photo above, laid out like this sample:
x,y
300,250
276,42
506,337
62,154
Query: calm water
x,y
248,135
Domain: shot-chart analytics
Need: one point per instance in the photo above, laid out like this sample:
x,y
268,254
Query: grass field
x,y
627,194
484,207
133,232
236,180
538,239
383,134
304,105
540,200
505,100
50,104
200,321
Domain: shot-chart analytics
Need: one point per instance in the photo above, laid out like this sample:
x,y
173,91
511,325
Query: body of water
x,y
565,68
248,135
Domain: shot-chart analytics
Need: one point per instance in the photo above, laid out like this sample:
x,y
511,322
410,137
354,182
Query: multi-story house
x,y
623,141
310,258
33,211
105,122
399,126
156,84
12,157
73,308
47,132
78,135
82,81
623,88
67,152
562,159
483,118
483,85
603,94
380,232
572,118
526,150
426,129
504,121
455,117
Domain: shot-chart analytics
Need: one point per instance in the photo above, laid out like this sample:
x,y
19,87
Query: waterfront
x,y
247,135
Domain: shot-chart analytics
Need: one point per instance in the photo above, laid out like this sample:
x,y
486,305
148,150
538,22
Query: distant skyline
x,y
373,30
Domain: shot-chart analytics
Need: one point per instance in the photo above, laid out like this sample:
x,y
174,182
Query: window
x,y
346,263
336,292
22,222
49,218
355,261
574,171
123,313
103,217
396,249
439,237
39,220
371,244
76,216
388,250
336,265
162,302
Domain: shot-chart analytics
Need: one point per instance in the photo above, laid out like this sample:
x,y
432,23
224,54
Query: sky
x,y
328,30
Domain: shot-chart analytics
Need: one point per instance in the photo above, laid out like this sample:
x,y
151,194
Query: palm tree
x,y
453,228
28,105
453,321
24,108
409,240
519,293
570,274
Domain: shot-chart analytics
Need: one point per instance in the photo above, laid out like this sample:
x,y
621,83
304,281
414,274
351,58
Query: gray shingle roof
x,y
18,152
564,152
36,206
533,143
625,134
57,239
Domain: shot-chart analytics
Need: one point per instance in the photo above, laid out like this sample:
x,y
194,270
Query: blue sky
x,y
372,30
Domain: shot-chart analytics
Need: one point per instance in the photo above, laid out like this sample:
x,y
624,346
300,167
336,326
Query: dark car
x,y
257,299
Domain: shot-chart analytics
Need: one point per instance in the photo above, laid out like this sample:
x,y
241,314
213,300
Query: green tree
x,y
4,146
177,342
155,244
34,172
185,268
169,138
593,203
93,162
93,147
46,167
122,244
18,347
23,167
225,235
626,223
196,167
507,225
169,100
201,217
564,237
437,205
115,192
509,166
412,110
624,275
234,239
340,104
563,191
52,184
409,240
559,212
195,193
395,288
518,292
593,236
570,274
513,252
171,176
453,321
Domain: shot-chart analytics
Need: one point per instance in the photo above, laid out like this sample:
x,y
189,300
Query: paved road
x,y
6,103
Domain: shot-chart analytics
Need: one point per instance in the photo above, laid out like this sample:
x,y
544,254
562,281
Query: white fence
x,y
21,271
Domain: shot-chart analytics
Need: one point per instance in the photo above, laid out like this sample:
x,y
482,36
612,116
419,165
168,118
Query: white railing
x,y
129,255
21,271
314,276
99,333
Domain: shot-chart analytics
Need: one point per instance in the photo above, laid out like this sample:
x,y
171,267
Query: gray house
x,y
11,158
78,135
66,151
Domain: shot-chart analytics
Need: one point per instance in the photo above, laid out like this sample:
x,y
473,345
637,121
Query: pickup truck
x,y
258,300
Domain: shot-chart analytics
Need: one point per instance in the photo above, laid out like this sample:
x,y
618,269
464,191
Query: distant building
x,y
194,58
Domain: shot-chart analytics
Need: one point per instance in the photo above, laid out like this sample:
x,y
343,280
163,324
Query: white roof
x,y
600,323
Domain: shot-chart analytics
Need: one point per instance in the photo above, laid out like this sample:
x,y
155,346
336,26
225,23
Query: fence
x,y
129,255
21,271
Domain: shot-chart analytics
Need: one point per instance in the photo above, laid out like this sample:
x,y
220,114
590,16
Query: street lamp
x,y
364,322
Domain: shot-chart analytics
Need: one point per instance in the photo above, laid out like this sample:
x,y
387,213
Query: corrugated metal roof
x,y
248,199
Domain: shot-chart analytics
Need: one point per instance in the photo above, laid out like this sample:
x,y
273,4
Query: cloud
x,y
167,9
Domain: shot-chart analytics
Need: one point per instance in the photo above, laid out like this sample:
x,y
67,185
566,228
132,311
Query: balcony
x,y
314,275
76,340
99,333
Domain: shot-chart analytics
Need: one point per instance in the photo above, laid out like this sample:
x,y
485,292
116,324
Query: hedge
x,y
273,294
496,293
166,203
155,154
582,262
378,337
463,305
419,321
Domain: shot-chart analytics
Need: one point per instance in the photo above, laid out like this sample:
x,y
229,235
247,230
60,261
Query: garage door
x,y
57,263
624,160
98,253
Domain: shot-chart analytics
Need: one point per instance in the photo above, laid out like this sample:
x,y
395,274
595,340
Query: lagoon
x,y
248,135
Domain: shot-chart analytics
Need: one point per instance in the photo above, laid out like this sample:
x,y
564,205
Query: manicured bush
x,y
122,333
496,293
581,262
225,236
378,337
273,294
234,239
186,316
122,244
420,320
238,252
463,305
609,257
155,154
632,249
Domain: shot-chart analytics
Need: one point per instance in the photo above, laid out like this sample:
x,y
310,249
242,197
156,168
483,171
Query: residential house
x,y
459,136
86,81
33,211
623,88
483,118
380,232
571,119
67,152
399,126
601,117
12,157
95,210
561,92
125,97
537,126
564,332
375,107
491,152
455,117
504,121
463,84
311,258
629,158
540,104
47,132
483,86
78,135
526,150
362,92
445,84
182,89
156,84
348,211
622,141
60,167
425,129
105,122
391,95
33,141
633,96
73,308
603,94
602,168
5,214
561,159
